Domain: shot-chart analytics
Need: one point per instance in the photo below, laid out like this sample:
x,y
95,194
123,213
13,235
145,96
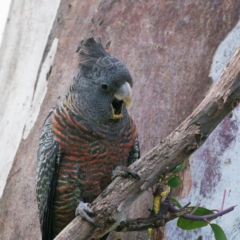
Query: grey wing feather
x,y
48,158
134,155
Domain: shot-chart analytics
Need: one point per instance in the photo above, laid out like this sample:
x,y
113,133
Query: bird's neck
x,y
86,113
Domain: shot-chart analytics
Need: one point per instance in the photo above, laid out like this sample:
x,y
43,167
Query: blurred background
x,y
4,9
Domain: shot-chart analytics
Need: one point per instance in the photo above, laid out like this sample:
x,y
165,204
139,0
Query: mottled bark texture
x,y
175,148
167,46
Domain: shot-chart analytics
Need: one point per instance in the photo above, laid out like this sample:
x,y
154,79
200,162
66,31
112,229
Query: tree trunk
x,y
167,46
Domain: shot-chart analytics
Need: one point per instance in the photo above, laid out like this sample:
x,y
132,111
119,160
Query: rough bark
x,y
183,141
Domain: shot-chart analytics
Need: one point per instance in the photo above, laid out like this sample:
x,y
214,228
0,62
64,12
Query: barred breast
x,y
88,156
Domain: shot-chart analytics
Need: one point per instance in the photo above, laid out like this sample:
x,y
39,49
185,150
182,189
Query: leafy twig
x,y
173,209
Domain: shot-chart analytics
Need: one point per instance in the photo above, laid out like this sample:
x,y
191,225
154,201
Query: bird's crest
x,y
92,54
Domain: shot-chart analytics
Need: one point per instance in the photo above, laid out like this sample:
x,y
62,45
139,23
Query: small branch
x,y
195,209
179,145
156,221
184,207
153,221
204,217
140,224
215,215
224,195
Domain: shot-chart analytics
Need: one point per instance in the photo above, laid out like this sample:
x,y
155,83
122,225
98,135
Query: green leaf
x,y
149,232
218,232
178,168
173,182
175,201
187,224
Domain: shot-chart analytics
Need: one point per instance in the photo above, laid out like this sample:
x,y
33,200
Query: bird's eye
x,y
104,86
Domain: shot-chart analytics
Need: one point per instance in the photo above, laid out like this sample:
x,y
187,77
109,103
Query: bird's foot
x,y
122,171
84,210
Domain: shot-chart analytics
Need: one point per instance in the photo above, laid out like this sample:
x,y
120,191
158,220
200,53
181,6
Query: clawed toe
x,y
122,171
84,210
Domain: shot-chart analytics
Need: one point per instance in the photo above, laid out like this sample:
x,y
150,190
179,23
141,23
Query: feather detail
x,y
91,49
93,56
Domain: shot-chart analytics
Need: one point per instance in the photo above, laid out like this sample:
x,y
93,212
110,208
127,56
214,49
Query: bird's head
x,y
103,86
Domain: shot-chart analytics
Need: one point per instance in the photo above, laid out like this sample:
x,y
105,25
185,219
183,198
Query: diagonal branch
x,y
180,144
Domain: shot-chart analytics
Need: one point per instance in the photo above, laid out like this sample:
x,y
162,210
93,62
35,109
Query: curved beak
x,y
124,93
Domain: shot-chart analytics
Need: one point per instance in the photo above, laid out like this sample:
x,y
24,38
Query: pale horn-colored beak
x,y
124,93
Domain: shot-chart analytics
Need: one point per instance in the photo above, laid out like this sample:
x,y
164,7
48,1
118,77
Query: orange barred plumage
x,y
88,157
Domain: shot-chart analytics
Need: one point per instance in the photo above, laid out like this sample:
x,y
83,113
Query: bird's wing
x,y
134,155
48,158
